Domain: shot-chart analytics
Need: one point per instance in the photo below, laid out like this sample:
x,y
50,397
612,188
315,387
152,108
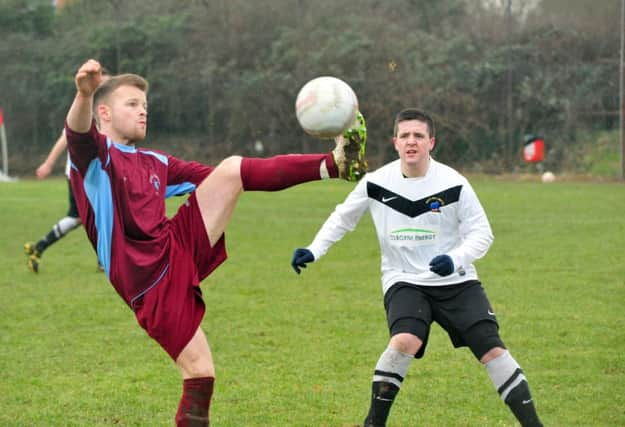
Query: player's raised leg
x,y
218,193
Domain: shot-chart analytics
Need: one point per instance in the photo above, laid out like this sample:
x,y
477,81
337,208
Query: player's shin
x,y
512,386
283,171
389,374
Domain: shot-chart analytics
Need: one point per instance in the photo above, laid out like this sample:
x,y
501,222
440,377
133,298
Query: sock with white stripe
x,y
60,229
513,389
389,374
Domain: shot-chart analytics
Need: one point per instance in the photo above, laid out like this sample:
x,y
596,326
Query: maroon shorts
x,y
172,310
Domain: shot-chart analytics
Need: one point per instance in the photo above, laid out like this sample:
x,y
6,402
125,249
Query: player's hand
x,y
442,265
43,171
300,258
88,77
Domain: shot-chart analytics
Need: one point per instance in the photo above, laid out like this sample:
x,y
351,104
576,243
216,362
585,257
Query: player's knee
x,y
231,167
491,354
484,341
406,343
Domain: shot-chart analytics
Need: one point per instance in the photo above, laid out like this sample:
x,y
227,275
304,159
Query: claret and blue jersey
x,y
120,191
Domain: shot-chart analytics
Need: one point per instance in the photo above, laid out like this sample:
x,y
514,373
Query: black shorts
x,y
73,209
463,310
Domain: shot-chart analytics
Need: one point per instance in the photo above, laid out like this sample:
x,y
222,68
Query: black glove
x,y
300,258
442,265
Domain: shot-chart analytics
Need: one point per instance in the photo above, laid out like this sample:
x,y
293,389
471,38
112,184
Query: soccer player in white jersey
x,y
70,221
431,228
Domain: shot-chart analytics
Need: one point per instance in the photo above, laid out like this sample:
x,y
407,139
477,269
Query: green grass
x,y
600,154
300,350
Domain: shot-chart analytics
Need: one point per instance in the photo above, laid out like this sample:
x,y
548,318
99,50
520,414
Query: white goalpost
x,y
4,172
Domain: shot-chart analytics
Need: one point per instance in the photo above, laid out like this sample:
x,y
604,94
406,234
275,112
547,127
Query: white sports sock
x,y
392,366
65,225
505,373
323,170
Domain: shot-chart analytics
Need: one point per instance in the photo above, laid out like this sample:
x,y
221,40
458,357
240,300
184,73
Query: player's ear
x,y
432,143
395,143
103,113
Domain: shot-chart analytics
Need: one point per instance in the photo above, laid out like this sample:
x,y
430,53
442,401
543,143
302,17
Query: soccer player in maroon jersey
x,y
156,263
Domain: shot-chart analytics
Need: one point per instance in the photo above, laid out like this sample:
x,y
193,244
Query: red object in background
x,y
534,150
1,117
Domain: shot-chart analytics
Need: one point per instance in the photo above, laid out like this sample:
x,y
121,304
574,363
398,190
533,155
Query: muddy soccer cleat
x,y
29,248
34,256
349,154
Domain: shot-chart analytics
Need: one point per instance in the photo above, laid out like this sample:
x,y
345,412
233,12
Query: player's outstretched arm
x,y
87,79
344,218
45,169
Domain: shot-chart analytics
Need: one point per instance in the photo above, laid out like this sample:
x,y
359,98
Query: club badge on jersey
x,y
435,204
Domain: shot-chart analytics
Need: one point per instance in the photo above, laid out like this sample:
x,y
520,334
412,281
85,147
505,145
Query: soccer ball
x,y
326,107
548,177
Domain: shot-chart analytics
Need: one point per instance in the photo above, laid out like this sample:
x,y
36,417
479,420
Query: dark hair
x,y
107,87
414,114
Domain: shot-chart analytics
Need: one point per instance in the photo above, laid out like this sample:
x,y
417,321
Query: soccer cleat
x,y
33,263
34,256
349,154
29,248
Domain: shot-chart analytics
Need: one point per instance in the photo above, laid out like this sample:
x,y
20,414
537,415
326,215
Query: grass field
x,y
300,350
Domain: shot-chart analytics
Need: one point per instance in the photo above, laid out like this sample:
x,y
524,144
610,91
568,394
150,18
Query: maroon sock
x,y
195,402
280,172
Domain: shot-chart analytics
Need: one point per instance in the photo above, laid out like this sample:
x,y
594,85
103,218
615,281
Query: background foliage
x,y
225,73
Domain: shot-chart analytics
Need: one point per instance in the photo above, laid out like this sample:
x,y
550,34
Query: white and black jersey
x,y
416,219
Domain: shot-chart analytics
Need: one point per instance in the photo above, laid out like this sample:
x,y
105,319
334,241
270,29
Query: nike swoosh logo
x,y
388,199
525,402
491,313
383,399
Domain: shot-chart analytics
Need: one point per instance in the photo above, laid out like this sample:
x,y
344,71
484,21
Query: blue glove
x,y
442,265
300,258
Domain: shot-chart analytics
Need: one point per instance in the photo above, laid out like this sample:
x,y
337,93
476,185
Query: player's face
x,y
129,114
413,144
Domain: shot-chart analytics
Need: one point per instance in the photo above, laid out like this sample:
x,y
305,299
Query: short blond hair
x,y
107,87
